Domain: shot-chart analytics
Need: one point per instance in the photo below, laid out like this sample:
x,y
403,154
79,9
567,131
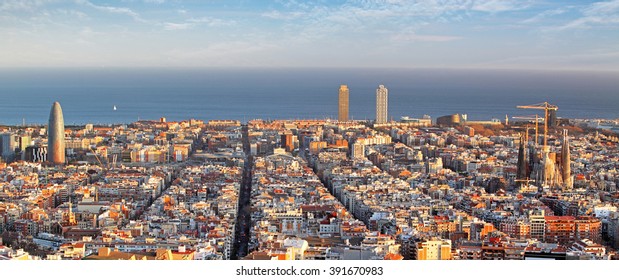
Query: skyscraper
x,y
7,146
55,136
343,104
381,104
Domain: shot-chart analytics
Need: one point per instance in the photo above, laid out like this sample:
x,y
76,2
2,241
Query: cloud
x,y
115,10
193,22
274,14
366,21
544,15
21,5
71,13
605,8
209,21
382,16
495,6
345,32
176,26
424,38
597,14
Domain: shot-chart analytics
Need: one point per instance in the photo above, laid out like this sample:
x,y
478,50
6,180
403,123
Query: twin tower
x,y
381,104
56,141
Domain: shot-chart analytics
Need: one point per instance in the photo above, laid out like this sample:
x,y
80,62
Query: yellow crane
x,y
535,118
524,182
547,108
105,167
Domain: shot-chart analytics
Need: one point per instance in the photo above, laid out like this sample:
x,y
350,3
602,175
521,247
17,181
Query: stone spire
x,y
549,168
565,162
521,173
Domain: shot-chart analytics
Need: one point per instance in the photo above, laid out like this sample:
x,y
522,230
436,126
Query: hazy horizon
x,y
88,95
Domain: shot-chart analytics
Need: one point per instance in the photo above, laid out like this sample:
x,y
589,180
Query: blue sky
x,y
358,33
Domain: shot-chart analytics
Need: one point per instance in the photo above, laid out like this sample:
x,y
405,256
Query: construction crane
x,y
104,166
531,118
114,159
547,108
525,181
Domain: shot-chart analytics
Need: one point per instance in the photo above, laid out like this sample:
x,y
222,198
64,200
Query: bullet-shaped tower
x,y
55,136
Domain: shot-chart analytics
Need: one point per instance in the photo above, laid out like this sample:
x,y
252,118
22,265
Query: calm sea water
x,y
89,95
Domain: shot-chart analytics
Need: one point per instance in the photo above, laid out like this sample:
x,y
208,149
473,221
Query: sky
x,y
564,35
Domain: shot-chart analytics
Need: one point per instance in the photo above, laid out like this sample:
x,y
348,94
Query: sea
x,y
125,95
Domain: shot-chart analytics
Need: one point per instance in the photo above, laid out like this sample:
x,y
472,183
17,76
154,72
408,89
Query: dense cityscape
x,y
527,187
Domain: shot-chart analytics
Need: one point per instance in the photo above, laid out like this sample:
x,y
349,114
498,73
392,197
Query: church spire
x,y
566,161
521,173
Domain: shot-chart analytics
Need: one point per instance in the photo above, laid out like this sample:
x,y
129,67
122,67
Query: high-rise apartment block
x,y
343,104
7,146
381,104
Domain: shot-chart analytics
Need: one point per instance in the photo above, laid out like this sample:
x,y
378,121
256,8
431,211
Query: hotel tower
x,y
381,104
343,104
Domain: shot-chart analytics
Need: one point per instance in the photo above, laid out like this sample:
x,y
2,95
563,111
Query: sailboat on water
x,y
114,107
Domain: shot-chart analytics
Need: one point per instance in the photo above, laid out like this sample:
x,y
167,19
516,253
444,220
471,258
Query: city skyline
x,y
312,189
427,34
210,131
373,179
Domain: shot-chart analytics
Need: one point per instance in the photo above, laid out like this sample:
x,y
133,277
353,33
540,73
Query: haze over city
x,y
565,35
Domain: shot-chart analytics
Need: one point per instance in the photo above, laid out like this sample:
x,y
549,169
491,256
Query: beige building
x,y
538,224
343,104
434,250
381,104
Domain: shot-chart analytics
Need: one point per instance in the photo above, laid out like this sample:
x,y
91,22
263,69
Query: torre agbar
x,y
55,140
